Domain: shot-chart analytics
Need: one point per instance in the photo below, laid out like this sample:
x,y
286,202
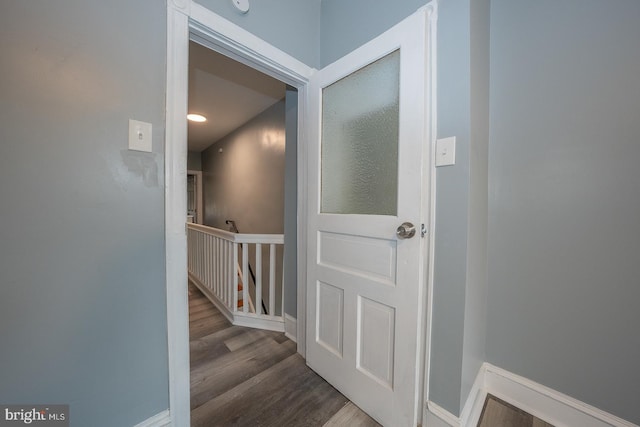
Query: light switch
x,y
446,151
140,136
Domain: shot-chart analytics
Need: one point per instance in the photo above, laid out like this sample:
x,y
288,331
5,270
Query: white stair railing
x,y
219,264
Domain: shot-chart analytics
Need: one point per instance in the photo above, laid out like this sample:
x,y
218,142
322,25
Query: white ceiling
x,y
226,92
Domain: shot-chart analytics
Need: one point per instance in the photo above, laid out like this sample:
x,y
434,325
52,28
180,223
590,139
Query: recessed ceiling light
x,y
196,118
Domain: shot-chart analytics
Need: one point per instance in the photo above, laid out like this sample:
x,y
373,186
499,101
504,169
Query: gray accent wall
x,y
243,175
82,284
194,161
291,203
345,25
475,316
291,25
564,207
452,207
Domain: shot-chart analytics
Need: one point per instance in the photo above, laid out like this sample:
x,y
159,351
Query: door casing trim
x,y
187,20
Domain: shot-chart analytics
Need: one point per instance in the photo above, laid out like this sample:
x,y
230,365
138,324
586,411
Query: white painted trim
x,y
264,239
176,211
545,403
187,19
472,409
162,419
220,35
290,327
223,36
538,400
250,320
443,414
429,204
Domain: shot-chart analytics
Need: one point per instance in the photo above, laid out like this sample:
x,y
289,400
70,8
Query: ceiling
x,y
227,93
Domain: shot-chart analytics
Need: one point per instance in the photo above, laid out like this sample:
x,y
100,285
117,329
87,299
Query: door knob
x,y
406,230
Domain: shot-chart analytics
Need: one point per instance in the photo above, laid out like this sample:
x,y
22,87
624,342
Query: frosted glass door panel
x,y
360,122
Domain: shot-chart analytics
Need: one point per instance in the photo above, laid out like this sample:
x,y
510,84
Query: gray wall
x,y
291,203
565,198
452,207
345,25
475,316
82,285
194,161
245,182
291,25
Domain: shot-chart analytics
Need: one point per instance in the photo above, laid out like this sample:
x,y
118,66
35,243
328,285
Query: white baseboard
x,y
250,320
549,405
163,419
437,416
211,297
291,327
472,409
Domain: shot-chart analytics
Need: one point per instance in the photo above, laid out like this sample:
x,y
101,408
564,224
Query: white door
x,y
368,174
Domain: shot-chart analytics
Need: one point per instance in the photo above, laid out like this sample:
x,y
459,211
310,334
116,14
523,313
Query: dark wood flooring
x,y
498,413
249,377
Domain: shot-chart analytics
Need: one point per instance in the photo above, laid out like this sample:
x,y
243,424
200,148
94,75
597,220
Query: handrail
x,y
217,259
238,237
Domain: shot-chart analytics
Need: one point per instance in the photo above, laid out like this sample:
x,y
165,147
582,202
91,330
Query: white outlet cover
x,y
446,151
140,136
241,5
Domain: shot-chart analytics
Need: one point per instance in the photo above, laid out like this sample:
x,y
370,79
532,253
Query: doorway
x,y
189,21
242,137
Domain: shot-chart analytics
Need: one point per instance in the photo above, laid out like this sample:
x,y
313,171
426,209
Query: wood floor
x,y
498,413
249,377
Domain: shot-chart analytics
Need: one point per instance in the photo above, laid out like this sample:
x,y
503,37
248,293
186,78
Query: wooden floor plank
x,y
211,346
216,377
204,329
287,394
209,311
497,412
352,416
248,337
232,366
248,377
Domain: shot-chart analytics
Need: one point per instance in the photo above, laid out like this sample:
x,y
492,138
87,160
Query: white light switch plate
x,y
446,151
140,136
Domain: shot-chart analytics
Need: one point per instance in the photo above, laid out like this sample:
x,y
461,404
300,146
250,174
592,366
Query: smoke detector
x,y
241,5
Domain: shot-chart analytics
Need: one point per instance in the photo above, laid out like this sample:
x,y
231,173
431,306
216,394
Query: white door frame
x,y
187,20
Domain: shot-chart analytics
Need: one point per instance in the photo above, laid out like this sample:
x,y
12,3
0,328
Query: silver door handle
x,y
406,230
